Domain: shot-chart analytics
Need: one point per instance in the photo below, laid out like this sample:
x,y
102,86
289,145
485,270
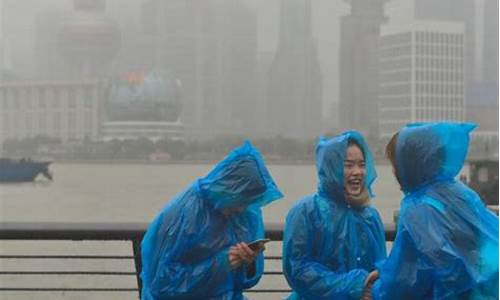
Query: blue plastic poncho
x,y
186,247
447,241
329,247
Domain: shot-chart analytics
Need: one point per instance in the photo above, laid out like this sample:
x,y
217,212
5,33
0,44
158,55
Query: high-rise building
x,y
421,76
465,12
264,61
79,44
295,83
461,11
18,34
2,43
480,20
482,94
359,36
211,47
490,43
137,50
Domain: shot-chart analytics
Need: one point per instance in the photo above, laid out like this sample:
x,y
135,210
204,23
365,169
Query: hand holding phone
x,y
258,245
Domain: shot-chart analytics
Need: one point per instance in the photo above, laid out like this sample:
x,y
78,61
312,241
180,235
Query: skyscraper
x,y
482,92
480,20
358,65
211,46
490,43
4,47
463,11
295,82
78,44
421,74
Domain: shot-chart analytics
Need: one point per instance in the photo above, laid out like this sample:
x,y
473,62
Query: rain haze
x,y
132,100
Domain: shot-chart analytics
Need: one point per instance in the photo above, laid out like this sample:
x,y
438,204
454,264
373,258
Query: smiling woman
x,y
333,238
354,174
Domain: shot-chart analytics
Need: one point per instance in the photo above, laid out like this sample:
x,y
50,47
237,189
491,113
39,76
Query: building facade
x,y
294,99
211,46
359,34
69,111
480,21
421,74
78,45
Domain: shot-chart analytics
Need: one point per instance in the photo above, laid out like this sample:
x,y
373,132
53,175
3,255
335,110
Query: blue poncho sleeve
x,y
247,276
171,277
176,278
430,257
405,274
305,274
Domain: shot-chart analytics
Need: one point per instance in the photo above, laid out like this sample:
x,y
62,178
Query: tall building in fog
x,y
359,36
480,20
421,74
211,47
489,24
294,99
264,61
18,34
79,44
482,93
4,51
2,43
463,11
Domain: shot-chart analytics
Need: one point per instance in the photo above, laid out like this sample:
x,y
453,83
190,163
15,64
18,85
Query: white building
x,y
65,110
422,70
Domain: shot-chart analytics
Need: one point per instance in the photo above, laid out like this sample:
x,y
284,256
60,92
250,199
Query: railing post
x,y
136,244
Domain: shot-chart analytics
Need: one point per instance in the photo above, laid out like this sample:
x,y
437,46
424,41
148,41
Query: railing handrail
x,y
71,231
108,231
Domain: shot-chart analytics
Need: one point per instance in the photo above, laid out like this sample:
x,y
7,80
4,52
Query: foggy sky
x,y
325,23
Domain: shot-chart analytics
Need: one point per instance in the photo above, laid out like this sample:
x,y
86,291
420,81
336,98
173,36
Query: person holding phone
x,y
196,247
333,238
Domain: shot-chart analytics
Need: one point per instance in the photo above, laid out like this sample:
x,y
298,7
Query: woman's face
x,y
354,171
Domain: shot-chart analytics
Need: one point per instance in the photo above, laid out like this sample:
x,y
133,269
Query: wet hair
x,y
390,150
353,142
390,153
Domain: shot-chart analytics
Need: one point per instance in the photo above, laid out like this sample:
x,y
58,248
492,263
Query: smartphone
x,y
257,244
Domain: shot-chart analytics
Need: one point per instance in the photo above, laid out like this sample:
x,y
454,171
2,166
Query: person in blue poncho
x,y
196,247
333,238
446,245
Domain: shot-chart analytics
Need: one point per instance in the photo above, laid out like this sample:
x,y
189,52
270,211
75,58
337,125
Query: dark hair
x,y
390,149
353,142
390,153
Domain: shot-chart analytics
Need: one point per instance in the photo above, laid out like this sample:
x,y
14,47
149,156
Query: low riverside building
x,y
67,110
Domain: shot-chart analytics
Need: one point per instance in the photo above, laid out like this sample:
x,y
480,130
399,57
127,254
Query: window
x,y
71,98
87,96
55,93
42,98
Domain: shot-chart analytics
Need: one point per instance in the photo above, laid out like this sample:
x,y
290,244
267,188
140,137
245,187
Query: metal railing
x,y
132,232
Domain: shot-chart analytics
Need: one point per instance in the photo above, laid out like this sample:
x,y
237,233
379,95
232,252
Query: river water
x,y
135,192
130,193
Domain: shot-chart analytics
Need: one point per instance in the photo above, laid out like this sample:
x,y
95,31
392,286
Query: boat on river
x,y
23,170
